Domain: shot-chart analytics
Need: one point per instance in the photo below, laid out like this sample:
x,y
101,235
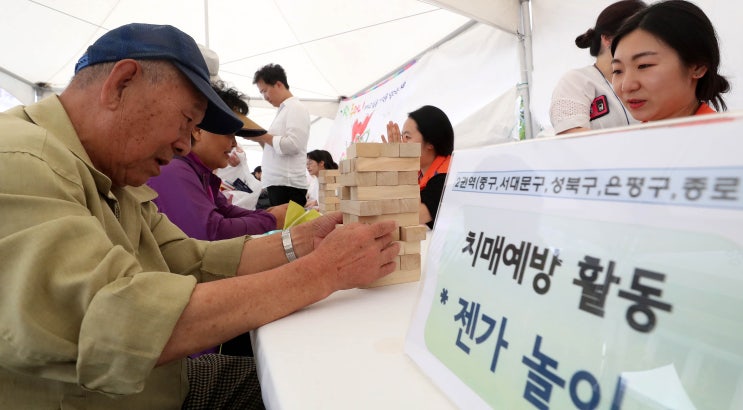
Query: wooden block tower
x,y
379,181
327,194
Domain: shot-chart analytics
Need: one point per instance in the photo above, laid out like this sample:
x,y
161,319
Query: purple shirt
x,y
189,195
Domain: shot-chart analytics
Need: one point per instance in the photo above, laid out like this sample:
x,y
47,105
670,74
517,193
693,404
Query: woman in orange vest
x,y
430,127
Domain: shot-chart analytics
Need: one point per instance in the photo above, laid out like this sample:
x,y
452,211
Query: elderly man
x,y
102,297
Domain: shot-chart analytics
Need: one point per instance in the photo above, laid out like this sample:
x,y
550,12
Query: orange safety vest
x,y
704,109
440,165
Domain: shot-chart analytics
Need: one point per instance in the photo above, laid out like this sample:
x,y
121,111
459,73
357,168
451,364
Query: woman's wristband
x,y
286,240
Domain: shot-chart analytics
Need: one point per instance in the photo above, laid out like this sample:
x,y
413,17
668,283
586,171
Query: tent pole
x,y
464,27
206,23
525,61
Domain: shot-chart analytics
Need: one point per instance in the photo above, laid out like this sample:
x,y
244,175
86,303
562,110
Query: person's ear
x,y
197,134
698,71
606,41
321,165
121,76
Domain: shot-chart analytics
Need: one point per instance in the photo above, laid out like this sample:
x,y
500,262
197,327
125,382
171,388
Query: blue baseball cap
x,y
162,42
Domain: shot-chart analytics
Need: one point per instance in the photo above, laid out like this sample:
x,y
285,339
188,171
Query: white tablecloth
x,y
345,352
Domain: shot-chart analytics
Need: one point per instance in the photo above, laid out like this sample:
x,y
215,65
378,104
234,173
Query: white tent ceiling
x,y
329,48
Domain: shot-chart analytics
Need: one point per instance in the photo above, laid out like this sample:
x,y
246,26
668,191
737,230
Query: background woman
x,y
317,160
583,98
430,127
666,61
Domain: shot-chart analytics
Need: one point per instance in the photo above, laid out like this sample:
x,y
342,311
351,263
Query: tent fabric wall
x,y
503,14
329,48
461,77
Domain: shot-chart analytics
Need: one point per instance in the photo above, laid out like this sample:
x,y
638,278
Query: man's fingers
x,y
382,228
384,240
390,251
387,268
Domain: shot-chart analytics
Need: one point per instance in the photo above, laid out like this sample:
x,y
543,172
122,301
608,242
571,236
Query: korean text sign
x,y
593,272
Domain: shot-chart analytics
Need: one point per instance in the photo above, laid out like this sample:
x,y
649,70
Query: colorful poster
x,y
594,272
364,117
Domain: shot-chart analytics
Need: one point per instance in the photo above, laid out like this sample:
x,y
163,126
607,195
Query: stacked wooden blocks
x,y
377,182
327,193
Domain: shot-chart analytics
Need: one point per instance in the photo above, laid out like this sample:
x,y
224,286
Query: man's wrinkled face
x,y
155,123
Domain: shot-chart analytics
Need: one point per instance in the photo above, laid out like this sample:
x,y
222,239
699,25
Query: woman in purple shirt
x,y
189,194
189,191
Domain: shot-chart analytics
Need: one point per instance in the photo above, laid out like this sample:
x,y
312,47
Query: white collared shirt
x,y
285,162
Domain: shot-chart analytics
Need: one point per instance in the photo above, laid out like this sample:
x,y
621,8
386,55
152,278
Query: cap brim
x,y
219,118
250,133
250,128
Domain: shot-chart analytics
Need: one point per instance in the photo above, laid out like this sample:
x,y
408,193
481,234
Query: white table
x,y
345,352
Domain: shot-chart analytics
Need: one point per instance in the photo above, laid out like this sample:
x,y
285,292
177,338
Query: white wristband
x,y
286,240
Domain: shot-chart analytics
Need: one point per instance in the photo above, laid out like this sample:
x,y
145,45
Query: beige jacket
x,y
93,278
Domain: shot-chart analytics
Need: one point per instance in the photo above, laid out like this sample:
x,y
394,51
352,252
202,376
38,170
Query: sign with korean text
x,y
594,272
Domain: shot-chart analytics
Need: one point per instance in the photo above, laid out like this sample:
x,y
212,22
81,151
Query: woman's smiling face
x,y
651,80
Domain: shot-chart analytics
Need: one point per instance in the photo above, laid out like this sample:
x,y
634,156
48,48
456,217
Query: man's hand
x,y
307,236
355,255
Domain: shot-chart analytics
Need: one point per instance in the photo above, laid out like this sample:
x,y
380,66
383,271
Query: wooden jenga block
x,y
329,186
410,149
364,150
364,193
396,235
326,194
412,233
327,176
387,178
349,218
384,164
401,205
329,200
407,177
409,247
410,261
358,179
362,208
390,150
398,276
344,192
406,219
345,166
328,173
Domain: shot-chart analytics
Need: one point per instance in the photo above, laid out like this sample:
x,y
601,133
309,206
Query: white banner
x,y
364,118
594,272
472,78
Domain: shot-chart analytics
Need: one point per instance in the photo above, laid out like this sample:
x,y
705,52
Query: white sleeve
x,y
571,102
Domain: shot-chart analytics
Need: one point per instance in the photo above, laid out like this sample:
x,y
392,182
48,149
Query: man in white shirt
x,y
285,144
